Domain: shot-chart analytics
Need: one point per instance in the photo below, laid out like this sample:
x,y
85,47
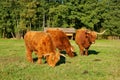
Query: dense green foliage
x,y
103,63
17,16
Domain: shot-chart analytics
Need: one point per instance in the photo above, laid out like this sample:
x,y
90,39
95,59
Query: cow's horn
x,y
101,32
63,55
72,48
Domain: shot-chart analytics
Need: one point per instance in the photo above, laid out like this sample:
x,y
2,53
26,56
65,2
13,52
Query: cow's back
x,y
39,42
59,37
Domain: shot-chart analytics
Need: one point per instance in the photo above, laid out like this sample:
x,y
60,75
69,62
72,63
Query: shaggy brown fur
x,y
61,41
41,43
84,38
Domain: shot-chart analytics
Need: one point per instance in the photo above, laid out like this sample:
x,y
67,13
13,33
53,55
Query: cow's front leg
x,y
29,56
39,59
81,50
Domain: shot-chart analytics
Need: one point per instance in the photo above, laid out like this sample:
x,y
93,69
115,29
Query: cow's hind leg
x,y
86,52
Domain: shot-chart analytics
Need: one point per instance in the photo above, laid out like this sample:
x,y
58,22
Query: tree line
x,y
19,16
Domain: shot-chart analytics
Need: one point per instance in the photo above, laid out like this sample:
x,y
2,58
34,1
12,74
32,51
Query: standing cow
x,y
41,43
61,41
84,38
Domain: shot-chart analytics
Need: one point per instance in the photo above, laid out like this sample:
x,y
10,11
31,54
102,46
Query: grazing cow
x,y
41,43
84,38
61,41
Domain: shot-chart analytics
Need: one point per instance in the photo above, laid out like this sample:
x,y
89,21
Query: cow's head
x,y
91,36
70,51
53,58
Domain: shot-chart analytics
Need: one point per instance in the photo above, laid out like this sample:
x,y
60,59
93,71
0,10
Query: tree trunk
x,y
12,35
3,35
18,35
43,21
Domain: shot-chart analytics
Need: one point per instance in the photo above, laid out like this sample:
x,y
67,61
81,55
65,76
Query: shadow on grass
x,y
35,59
64,52
61,61
92,52
74,54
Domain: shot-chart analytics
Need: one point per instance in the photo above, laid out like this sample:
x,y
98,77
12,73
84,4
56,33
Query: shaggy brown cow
x,y
61,41
41,43
84,38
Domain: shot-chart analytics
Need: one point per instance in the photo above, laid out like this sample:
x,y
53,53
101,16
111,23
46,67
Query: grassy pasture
x,y
103,63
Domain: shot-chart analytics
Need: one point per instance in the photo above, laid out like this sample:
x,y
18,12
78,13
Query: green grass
x,y
103,63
